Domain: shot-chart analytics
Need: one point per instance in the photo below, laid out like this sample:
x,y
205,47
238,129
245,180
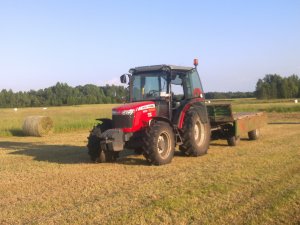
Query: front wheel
x,y
159,143
233,140
96,153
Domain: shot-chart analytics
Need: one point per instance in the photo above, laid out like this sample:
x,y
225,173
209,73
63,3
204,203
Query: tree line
x,y
228,95
270,87
63,94
274,86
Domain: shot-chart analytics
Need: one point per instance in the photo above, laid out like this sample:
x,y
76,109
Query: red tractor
x,y
166,108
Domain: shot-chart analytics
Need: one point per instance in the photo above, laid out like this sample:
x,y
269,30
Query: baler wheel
x,y
233,140
254,134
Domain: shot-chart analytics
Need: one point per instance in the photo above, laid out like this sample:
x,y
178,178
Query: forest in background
x,y
63,94
272,86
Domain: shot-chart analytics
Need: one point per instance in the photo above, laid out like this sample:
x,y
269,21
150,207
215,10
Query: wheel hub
x,y
196,131
199,132
163,144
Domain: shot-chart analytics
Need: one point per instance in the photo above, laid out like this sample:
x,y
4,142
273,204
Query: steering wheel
x,y
153,93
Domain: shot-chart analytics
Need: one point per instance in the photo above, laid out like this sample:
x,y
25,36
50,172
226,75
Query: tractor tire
x,y
233,140
159,143
254,134
98,155
196,135
182,149
138,151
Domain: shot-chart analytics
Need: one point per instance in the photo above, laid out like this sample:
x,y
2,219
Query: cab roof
x,y
160,67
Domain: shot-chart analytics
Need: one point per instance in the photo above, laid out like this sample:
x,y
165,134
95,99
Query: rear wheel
x,y
159,143
254,134
182,149
196,135
138,151
95,152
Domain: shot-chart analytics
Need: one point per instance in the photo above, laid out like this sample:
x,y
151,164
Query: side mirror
x,y
123,79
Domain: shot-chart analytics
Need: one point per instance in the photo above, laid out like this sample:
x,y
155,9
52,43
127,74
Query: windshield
x,y
149,86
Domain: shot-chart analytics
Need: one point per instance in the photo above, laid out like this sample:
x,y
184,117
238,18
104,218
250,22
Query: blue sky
x,y
81,42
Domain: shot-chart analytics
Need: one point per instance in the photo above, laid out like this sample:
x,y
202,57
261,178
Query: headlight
x,y
115,112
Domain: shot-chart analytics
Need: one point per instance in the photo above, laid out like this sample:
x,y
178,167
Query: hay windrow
x,y
37,126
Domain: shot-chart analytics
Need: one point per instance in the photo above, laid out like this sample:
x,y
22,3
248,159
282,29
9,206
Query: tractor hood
x,y
132,117
131,108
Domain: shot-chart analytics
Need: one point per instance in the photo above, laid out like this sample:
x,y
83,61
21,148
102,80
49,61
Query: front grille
x,y
122,121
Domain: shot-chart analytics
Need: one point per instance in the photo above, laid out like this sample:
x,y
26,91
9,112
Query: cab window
x,y
193,85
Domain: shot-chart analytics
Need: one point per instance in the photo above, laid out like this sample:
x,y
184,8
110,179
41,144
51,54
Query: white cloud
x,y
113,81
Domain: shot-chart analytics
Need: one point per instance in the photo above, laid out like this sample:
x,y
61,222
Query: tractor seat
x,y
177,100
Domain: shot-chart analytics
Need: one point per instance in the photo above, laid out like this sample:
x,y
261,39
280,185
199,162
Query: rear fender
x,y
200,108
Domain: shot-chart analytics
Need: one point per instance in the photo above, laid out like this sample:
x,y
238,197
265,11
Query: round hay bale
x,y
37,126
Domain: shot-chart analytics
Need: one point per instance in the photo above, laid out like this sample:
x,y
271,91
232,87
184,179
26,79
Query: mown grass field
x,y
50,180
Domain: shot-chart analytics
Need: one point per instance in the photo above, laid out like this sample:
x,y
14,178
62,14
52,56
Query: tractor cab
x,y
169,87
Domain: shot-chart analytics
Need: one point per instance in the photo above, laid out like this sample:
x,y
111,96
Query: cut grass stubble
x,y
255,183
